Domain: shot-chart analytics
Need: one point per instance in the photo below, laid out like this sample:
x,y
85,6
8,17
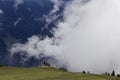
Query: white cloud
x,y
88,39
17,21
34,47
17,2
1,11
57,4
52,16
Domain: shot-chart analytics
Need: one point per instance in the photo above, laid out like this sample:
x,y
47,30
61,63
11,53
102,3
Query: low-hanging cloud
x,y
17,2
88,38
1,11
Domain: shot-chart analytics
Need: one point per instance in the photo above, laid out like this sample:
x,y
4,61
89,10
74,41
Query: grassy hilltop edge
x,y
38,73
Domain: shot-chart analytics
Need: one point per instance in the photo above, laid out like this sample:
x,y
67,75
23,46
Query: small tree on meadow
x,y
118,75
84,72
113,73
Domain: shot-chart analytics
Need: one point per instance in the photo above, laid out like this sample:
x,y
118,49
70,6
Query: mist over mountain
x,y
79,35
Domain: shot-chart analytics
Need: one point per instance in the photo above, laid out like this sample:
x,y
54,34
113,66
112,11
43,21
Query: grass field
x,y
38,73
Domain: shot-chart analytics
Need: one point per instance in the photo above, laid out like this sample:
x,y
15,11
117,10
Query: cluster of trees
x,y
84,72
112,74
46,64
63,69
1,65
106,73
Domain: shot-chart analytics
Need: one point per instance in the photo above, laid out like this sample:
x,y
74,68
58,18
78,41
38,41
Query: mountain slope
x,y
47,74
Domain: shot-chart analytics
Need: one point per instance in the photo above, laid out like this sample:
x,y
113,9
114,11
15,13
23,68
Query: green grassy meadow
x,y
38,73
